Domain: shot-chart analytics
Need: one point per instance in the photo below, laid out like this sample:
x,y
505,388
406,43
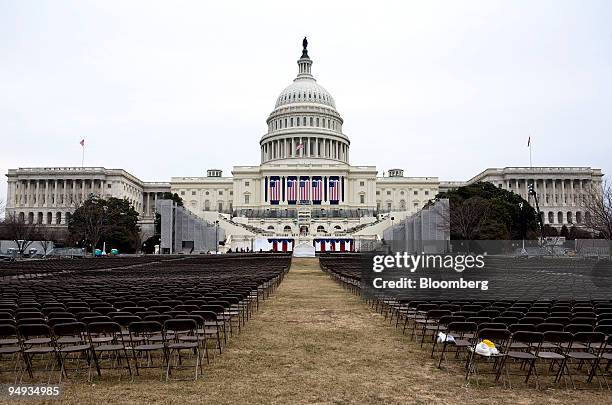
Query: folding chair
x,y
37,341
526,357
108,343
500,338
10,348
587,356
147,339
186,339
71,343
461,342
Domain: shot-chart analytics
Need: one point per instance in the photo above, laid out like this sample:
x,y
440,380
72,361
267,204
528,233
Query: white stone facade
x,y
560,190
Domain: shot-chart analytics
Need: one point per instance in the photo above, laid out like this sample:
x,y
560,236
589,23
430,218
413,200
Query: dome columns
x,y
303,146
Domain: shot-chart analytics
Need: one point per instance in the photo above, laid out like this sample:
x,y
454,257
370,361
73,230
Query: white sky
x,y
437,88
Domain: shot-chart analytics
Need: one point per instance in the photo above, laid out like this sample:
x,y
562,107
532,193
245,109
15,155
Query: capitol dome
x,y
305,90
304,123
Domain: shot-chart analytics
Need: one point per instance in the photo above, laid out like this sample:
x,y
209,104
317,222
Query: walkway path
x,y
313,342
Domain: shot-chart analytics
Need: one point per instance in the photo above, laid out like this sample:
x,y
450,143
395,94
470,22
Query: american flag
x,y
304,190
299,146
317,189
291,189
334,190
275,189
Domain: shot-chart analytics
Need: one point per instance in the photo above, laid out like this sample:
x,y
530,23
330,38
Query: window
x,y
416,192
207,193
182,193
362,199
108,185
426,192
220,192
388,192
362,183
231,193
389,206
246,184
220,206
377,192
193,193
246,199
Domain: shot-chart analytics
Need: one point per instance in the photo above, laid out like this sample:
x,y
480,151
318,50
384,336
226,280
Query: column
x,y
554,192
563,192
307,147
572,192
545,203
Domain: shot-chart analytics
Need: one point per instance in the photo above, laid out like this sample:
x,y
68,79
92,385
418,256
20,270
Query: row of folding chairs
x,y
74,347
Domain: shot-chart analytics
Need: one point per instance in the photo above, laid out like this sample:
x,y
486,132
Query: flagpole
x,y
83,155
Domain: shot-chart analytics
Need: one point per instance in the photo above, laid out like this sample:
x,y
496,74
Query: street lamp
x,y
523,250
216,236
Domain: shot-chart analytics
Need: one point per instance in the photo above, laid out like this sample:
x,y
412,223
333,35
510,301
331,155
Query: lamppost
x,y
523,251
216,236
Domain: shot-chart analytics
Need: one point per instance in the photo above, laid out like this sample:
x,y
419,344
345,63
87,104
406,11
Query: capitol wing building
x,y
304,186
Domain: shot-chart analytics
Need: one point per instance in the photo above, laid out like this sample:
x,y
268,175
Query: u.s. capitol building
x,y
305,183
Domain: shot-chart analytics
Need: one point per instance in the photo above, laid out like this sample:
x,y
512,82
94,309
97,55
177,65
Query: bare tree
x,y
597,205
19,231
465,220
47,235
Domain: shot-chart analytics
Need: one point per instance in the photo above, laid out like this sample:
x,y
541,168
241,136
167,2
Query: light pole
x,y
523,251
217,236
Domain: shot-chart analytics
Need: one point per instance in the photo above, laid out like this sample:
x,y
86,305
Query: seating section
x,y
164,317
542,341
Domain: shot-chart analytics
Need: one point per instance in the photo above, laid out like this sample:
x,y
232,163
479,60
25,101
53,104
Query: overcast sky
x,y
443,89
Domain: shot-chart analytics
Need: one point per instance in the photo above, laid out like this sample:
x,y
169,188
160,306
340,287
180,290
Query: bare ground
x,y
313,342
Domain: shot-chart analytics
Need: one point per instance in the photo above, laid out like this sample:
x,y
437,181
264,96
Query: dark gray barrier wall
x,y
426,231
182,231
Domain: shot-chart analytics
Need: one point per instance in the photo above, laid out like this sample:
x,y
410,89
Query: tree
x,y
174,197
482,211
20,231
597,205
564,232
550,231
114,221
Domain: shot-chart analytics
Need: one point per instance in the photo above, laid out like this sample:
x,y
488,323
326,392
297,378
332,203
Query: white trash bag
x,y
442,337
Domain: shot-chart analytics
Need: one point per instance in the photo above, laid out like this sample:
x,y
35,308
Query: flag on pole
x,y
529,142
82,142
299,147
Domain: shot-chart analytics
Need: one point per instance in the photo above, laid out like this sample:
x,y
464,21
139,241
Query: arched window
x,y
587,217
338,227
287,229
58,218
570,218
207,205
21,217
270,228
579,217
560,218
551,217
402,205
310,121
30,218
49,218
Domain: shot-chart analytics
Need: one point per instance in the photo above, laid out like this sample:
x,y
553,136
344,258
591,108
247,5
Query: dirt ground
x,y
313,342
